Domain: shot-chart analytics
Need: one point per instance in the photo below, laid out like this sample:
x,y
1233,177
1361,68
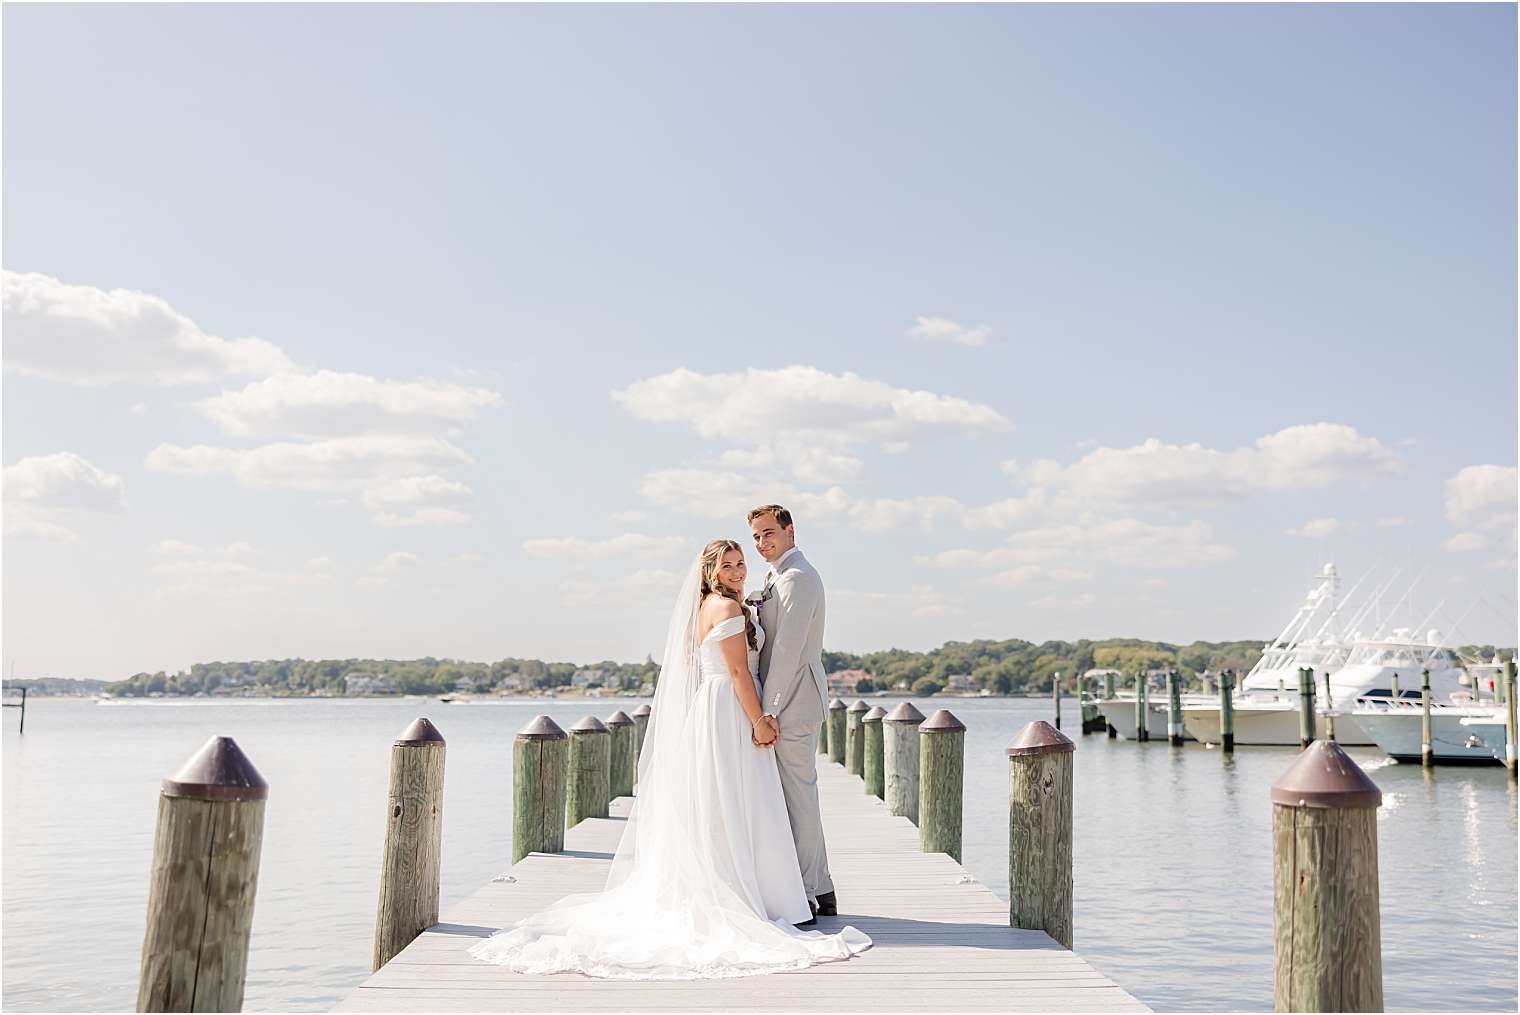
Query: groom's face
x,y
770,538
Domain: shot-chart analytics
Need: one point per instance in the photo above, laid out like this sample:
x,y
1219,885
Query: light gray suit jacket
x,y
791,662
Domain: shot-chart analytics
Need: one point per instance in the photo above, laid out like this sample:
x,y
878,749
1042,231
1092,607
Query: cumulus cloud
x,y
938,329
78,334
630,545
327,403
728,496
1465,542
1316,528
1391,522
432,516
804,406
342,463
63,480
1482,497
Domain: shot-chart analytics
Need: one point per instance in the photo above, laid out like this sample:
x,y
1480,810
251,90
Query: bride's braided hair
x,y
712,560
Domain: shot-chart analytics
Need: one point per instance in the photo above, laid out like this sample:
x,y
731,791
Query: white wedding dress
x,y
705,882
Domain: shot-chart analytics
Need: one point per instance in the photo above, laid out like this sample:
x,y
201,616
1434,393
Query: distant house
x,y
366,683
513,682
845,681
961,682
585,678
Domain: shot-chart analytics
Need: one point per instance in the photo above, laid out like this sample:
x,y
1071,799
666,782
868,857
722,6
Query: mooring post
x,y
588,784
622,758
1510,727
540,763
640,728
1327,935
941,783
1174,707
1305,706
22,728
1108,685
836,721
873,768
1427,751
1329,710
1140,716
900,759
1393,687
1055,693
204,877
1039,831
854,743
823,736
1227,711
413,841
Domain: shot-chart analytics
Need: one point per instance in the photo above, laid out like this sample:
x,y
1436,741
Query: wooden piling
x,y
1510,727
1039,831
1108,686
413,841
588,784
941,783
823,736
872,769
1329,710
201,888
1305,706
836,721
854,743
640,728
1227,711
1055,693
1327,932
622,758
1427,750
900,759
1393,687
1141,733
1174,707
540,762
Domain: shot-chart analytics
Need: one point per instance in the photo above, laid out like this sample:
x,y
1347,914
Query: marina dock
x,y
942,939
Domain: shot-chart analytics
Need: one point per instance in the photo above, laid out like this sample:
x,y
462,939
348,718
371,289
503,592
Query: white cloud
x,y
1482,497
430,516
1392,522
1152,473
319,563
800,404
1123,541
327,403
63,480
1465,542
651,589
22,523
409,490
342,463
174,546
78,334
938,329
1316,528
465,558
1081,600
139,408
631,545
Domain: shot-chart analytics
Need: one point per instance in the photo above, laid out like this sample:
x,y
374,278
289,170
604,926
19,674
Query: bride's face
x,y
732,571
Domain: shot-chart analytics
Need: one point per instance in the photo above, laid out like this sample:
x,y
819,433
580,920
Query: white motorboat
x,y
1119,713
1460,734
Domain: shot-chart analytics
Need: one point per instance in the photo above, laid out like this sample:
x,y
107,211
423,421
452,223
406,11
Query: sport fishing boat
x,y
1460,734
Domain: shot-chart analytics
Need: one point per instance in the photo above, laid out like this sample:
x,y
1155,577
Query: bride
x,y
705,882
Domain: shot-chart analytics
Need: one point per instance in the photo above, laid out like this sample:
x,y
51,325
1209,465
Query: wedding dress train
x,y
705,882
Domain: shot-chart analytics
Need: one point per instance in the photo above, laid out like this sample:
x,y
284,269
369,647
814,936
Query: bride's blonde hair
x,y
712,560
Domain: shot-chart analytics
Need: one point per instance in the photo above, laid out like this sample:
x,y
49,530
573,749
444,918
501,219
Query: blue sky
x,y
351,331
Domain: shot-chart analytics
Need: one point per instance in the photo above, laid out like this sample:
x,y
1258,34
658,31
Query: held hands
x,y
764,731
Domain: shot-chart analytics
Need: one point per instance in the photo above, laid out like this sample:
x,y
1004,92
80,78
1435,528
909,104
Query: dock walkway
x,y
942,940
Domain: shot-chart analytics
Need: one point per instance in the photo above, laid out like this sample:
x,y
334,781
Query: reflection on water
x,y
1172,850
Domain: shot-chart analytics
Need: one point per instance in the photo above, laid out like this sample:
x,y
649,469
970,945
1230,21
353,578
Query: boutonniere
x,y
758,599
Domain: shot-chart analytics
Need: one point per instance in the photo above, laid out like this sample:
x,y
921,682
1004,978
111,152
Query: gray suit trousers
x,y
796,759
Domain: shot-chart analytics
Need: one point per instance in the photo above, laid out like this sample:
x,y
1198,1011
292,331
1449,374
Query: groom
x,y
794,690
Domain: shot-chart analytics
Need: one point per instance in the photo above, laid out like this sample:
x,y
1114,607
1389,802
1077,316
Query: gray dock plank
x,y
942,940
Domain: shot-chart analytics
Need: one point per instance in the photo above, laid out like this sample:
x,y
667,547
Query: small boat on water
x,y
1460,734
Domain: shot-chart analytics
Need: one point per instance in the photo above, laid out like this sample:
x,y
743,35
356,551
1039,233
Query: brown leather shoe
x,y
827,906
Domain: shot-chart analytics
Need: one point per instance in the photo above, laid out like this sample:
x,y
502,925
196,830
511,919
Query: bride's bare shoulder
x,y
716,608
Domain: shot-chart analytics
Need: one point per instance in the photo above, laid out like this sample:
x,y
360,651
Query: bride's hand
x,y
762,733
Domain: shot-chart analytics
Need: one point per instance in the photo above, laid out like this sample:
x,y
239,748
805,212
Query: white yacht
x,y
1460,734
1371,668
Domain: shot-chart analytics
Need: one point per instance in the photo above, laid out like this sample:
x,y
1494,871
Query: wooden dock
x,y
942,939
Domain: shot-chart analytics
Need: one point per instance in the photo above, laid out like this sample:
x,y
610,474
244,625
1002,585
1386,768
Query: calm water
x,y
1173,851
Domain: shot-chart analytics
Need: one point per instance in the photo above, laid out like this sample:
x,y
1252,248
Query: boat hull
x,y
1119,713
1269,727
1453,741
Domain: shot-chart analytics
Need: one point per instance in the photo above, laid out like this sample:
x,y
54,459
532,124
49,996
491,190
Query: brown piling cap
x,y
876,714
1325,776
590,724
218,771
942,722
835,705
1039,737
860,706
642,710
421,731
619,718
905,713
541,728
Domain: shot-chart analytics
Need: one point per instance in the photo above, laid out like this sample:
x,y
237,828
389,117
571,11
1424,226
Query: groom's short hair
x,y
783,516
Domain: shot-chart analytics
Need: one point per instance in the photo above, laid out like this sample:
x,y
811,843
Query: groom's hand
x,y
768,723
